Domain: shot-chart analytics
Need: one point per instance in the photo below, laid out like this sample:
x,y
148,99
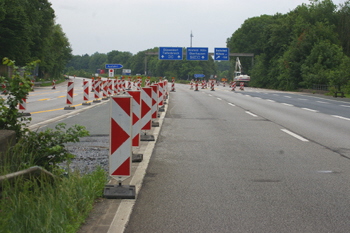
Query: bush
x,y
46,149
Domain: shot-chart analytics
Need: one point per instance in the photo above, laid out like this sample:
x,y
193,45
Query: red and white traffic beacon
x,y
120,148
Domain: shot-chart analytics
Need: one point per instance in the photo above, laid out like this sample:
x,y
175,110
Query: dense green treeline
x,y
307,46
28,32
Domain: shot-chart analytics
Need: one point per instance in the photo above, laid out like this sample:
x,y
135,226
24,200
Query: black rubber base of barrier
x,y
69,108
155,124
137,158
147,137
23,114
86,103
105,98
97,101
119,192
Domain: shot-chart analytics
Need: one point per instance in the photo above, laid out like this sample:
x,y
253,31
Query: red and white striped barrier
x,y
173,85
212,85
191,88
54,84
120,138
154,111
160,95
146,106
70,92
86,92
241,86
104,90
23,105
129,83
123,85
93,83
233,86
138,83
3,87
97,93
148,82
136,116
116,87
196,86
224,84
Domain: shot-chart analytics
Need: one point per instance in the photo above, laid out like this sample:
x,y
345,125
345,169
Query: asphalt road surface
x,y
252,161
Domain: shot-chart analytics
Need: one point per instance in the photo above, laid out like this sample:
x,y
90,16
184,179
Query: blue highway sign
x,y
170,53
199,75
114,66
221,54
197,54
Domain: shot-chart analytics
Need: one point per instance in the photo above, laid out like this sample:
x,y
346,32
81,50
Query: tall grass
x,y
42,205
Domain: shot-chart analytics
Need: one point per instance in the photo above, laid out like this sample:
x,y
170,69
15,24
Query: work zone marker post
x,y
120,148
23,106
146,113
70,91
160,96
136,122
86,92
97,91
196,86
105,90
173,85
154,111
233,86
241,86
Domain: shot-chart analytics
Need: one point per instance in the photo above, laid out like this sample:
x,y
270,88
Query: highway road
x,y
248,161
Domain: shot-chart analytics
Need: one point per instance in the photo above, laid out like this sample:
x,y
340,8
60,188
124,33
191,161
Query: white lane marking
x,y
290,105
287,96
219,98
232,104
209,94
295,135
301,99
272,101
308,109
252,114
322,102
340,117
346,106
257,98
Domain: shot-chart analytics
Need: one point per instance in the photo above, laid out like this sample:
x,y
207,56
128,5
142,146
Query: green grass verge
x,y
38,205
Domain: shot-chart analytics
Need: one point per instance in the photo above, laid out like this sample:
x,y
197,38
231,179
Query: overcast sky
x,y
136,25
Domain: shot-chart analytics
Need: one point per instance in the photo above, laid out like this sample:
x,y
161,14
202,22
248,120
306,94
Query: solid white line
x,y
252,114
340,117
346,106
272,101
308,109
219,98
295,135
232,104
290,105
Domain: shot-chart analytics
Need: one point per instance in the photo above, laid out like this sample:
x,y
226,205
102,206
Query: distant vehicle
x,y
238,76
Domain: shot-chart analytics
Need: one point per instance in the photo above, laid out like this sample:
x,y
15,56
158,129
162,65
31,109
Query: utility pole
x,y
191,38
